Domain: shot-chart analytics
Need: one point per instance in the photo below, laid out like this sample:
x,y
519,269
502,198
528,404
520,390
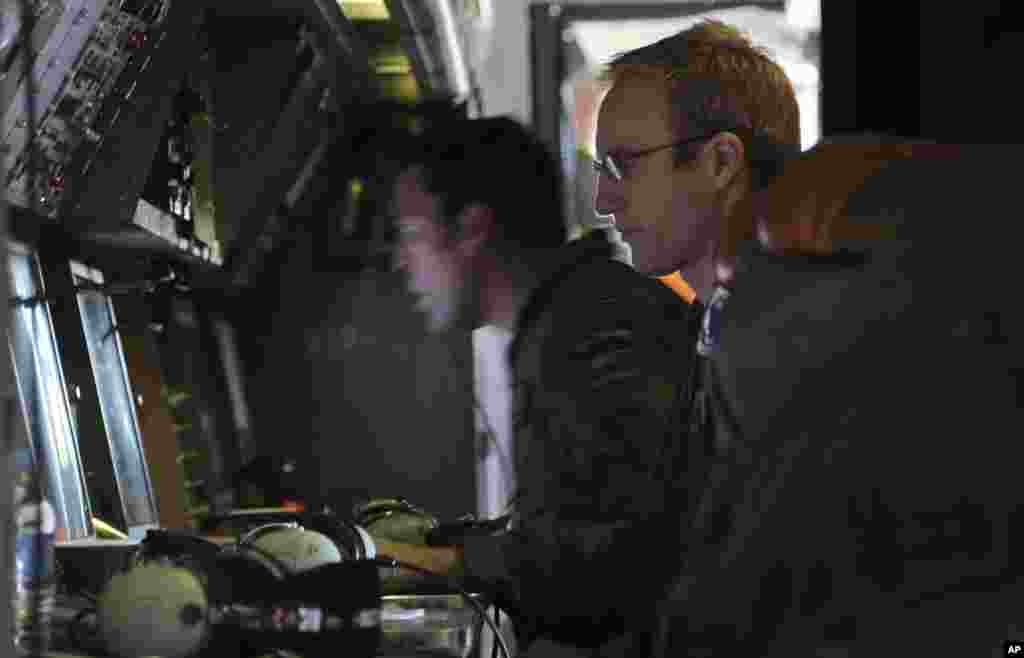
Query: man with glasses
x,y
691,125
692,128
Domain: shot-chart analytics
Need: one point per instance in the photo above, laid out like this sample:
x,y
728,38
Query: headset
x,y
396,519
186,594
280,586
154,609
290,547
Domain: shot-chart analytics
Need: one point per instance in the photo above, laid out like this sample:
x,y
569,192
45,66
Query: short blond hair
x,y
717,79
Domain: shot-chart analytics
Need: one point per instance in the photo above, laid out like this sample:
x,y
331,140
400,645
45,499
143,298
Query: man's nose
x,y
608,196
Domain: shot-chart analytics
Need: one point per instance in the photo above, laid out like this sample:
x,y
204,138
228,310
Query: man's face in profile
x,y
664,211
426,253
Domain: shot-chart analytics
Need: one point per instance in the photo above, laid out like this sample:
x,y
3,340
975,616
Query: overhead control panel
x,y
84,72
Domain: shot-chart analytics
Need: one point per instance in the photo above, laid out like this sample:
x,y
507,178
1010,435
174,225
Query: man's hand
x,y
440,560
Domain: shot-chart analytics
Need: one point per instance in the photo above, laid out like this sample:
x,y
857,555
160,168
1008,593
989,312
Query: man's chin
x,y
648,266
651,269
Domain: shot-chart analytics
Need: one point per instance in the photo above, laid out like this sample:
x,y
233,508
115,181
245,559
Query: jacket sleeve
x,y
609,450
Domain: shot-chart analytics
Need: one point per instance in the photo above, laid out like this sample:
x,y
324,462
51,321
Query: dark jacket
x,y
870,502
600,372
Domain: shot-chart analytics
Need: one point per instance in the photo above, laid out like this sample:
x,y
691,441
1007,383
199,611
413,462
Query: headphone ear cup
x,y
367,512
376,508
397,520
251,536
153,609
345,535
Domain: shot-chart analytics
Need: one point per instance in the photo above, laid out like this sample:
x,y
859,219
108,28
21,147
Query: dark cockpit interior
x,y
208,336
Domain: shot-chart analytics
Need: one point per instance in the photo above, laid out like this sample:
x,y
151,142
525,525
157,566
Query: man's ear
x,y
476,226
727,157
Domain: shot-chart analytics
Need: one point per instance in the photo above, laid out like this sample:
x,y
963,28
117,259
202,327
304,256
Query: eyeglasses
x,y
613,165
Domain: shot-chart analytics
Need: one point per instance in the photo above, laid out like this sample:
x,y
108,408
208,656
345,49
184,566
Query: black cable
x,y
391,562
497,624
79,630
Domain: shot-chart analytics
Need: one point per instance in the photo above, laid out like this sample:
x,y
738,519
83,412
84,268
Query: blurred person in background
x,y
870,373
600,390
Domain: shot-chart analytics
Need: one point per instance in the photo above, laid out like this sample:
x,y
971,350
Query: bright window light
x,y
364,10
